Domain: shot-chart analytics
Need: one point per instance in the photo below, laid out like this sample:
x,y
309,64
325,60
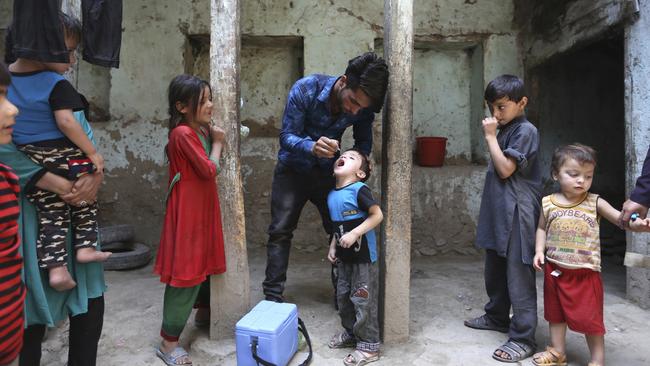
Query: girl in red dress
x,y
191,243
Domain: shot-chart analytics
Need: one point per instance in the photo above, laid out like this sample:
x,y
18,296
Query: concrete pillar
x,y
396,170
637,135
230,292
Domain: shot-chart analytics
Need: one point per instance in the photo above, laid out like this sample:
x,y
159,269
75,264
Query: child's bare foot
x,y
87,255
60,278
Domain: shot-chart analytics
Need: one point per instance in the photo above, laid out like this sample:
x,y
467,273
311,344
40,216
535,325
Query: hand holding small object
x,y
325,147
349,239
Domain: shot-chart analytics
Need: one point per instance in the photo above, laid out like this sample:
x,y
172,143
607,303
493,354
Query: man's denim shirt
x,y
307,117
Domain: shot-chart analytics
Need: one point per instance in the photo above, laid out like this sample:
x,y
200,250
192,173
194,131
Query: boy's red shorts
x,y
575,297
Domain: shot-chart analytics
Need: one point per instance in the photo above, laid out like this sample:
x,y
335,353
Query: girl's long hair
x,y
187,90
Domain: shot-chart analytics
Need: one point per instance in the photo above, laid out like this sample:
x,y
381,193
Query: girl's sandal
x,y
550,357
178,356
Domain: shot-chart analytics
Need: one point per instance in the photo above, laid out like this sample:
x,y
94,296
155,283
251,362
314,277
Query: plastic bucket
x,y
430,151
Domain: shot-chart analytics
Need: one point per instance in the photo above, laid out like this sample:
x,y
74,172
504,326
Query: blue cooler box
x,y
275,326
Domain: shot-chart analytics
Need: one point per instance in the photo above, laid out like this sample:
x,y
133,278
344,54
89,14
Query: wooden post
x,y
230,292
637,138
396,169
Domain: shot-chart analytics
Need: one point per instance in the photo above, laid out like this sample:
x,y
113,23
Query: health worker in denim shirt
x,y
319,109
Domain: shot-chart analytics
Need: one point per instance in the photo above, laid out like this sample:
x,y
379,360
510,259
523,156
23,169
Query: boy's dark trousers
x,y
289,193
357,298
510,282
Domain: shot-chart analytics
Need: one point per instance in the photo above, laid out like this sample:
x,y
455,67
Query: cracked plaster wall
x,y
153,46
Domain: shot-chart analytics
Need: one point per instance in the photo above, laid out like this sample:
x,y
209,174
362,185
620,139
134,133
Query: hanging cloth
x,y
102,31
36,32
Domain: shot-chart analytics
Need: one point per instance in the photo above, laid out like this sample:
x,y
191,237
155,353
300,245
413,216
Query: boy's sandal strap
x,y
516,351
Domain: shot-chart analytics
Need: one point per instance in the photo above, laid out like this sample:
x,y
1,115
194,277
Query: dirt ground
x,y
444,291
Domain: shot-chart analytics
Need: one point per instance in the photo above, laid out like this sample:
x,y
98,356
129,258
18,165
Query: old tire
x,y
116,233
128,257
116,246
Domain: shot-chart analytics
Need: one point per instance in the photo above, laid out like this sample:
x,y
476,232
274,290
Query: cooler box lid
x,y
267,317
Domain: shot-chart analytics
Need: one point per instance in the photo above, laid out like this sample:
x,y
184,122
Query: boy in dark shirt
x,y
354,214
508,218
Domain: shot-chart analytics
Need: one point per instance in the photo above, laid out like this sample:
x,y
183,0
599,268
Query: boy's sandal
x,y
342,340
175,357
484,323
358,358
516,351
550,357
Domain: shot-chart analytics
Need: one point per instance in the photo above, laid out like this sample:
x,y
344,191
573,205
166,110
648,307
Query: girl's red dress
x,y
191,243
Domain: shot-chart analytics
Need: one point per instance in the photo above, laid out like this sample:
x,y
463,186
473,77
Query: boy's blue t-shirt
x,y
30,93
348,207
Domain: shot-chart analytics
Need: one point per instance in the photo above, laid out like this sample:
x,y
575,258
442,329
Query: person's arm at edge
x,y
639,200
641,192
31,174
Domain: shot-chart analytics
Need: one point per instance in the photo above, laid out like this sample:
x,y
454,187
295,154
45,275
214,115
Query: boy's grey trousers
x,y
357,299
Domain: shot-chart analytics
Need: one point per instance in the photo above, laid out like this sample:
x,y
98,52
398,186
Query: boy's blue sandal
x,y
484,323
172,358
516,351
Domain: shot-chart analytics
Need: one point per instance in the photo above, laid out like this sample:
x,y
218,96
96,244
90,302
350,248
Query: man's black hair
x,y
508,86
370,73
